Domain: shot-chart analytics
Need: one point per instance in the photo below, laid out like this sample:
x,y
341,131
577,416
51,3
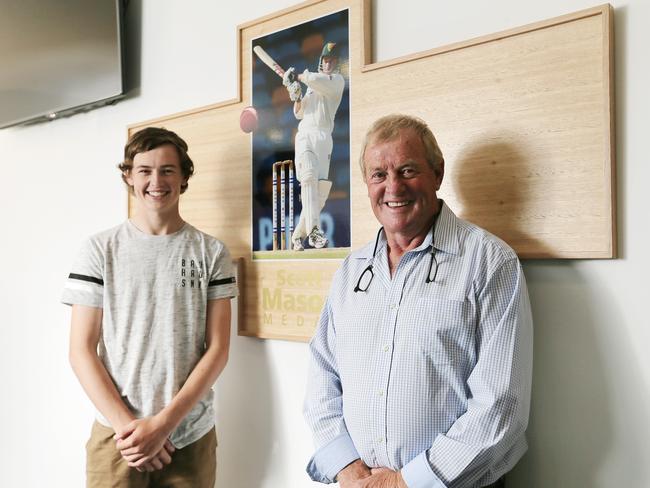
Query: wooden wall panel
x,y
524,119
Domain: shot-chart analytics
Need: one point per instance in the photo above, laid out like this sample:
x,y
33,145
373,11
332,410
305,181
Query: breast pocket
x,y
444,330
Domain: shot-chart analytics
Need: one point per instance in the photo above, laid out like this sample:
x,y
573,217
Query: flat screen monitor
x,y
58,57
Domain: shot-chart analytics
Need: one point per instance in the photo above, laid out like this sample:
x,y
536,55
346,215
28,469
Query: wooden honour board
x,y
524,118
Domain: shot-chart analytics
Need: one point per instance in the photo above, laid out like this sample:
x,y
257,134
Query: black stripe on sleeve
x,y
223,281
91,279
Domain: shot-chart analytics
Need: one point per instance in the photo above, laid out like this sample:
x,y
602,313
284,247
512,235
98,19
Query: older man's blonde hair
x,y
389,127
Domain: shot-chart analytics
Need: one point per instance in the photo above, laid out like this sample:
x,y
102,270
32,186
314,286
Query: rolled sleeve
x,y
418,473
330,459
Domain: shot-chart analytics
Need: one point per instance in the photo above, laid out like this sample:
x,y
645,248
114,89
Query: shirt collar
x,y
446,234
446,237
446,231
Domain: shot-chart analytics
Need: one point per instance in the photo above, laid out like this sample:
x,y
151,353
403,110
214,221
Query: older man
x,y
421,364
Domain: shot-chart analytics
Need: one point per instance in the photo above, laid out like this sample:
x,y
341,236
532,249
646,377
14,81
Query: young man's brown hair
x,y
151,138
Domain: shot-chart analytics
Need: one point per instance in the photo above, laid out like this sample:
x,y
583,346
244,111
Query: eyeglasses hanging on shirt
x,y
368,274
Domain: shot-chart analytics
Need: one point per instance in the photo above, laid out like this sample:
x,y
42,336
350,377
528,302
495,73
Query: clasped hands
x,y
144,444
358,475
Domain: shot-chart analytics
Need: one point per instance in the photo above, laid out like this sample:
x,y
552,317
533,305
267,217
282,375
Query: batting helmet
x,y
329,50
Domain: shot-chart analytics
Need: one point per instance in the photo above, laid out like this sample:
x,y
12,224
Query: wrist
x,y
120,421
167,419
354,471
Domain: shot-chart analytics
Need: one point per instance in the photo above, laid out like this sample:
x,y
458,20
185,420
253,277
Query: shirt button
x,y
381,393
386,348
393,306
380,440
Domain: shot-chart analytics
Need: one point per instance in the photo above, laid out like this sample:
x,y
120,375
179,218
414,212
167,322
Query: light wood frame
x,y
525,119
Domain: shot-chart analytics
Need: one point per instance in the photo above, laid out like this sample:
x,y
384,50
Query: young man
x,y
316,112
151,328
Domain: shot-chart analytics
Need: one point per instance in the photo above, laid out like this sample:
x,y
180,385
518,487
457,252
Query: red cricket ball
x,y
248,119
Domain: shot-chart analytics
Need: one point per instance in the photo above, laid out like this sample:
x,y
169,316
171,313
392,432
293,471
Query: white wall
x,y
590,395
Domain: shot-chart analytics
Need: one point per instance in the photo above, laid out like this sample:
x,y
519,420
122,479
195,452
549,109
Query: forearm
x,y
326,85
100,388
207,369
297,109
197,385
85,331
323,407
143,440
499,392
298,105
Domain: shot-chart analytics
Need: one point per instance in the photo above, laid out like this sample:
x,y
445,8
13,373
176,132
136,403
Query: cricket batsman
x,y
313,147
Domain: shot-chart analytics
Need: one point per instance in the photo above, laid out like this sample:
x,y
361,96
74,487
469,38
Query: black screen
x,y
58,56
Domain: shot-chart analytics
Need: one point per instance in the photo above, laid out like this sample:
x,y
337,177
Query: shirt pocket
x,y
444,330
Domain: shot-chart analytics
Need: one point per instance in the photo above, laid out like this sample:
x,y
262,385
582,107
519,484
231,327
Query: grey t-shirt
x,y
154,292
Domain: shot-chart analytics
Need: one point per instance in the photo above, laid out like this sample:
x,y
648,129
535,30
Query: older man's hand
x,y
358,475
382,478
349,476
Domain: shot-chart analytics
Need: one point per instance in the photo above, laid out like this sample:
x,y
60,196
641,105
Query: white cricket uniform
x,y
314,142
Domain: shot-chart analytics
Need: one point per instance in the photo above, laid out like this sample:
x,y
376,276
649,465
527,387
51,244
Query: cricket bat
x,y
268,60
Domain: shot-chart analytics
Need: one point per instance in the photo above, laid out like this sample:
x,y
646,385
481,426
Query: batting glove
x,y
295,91
289,77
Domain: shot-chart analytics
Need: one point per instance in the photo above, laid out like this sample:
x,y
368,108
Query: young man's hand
x,y
163,458
144,443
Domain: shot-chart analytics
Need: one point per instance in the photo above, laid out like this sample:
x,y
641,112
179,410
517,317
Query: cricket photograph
x,y
300,127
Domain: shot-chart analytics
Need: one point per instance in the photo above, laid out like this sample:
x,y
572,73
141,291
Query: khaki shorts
x,y
194,466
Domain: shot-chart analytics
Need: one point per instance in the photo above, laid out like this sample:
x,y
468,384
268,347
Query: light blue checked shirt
x,y
430,379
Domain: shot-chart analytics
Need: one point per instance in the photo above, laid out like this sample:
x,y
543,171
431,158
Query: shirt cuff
x,y
332,458
417,473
